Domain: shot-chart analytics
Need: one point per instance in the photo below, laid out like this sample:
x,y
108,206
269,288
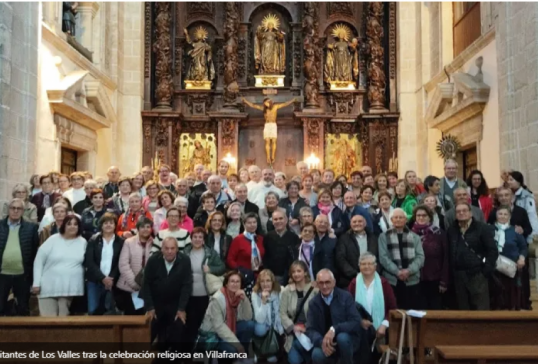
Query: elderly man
x,y
215,187
401,256
19,241
255,174
223,169
241,196
351,245
461,195
80,206
473,255
302,169
257,194
325,243
147,173
198,170
356,183
352,209
112,187
44,199
279,246
201,186
182,190
327,179
306,215
76,193
366,171
166,291
450,182
333,323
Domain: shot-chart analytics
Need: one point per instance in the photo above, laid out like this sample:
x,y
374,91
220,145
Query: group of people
x,y
310,265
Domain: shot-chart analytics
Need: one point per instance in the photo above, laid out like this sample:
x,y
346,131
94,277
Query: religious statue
x,y
269,109
68,17
344,158
342,60
201,71
270,47
200,155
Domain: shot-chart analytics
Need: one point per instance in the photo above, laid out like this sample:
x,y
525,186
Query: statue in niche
x,y
201,68
344,158
270,110
69,10
270,47
342,60
200,155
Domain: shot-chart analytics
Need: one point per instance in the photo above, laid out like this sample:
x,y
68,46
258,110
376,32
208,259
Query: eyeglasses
x,y
174,215
422,215
13,208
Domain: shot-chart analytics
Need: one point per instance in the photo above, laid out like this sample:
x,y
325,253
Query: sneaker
x,y
272,359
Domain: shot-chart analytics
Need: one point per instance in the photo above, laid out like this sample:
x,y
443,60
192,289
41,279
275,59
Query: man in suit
x,y
46,197
241,196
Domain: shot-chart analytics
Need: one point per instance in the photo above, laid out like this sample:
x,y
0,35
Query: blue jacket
x,y
515,244
337,219
344,314
323,254
358,210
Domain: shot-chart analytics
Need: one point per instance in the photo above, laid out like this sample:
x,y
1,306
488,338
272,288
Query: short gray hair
x,y
397,209
240,185
325,270
253,167
305,209
16,200
272,193
20,187
90,182
135,194
180,199
366,256
449,161
214,177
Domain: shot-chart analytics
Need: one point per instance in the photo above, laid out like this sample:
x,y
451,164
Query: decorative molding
x,y
297,57
97,95
231,29
342,102
312,54
75,135
161,133
199,103
376,74
241,53
147,38
392,40
341,128
163,55
202,9
340,9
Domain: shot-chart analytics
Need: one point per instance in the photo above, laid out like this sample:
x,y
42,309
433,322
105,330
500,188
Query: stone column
x,y
86,13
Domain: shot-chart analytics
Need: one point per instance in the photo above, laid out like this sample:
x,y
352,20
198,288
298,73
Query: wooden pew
x,y
486,354
470,328
77,332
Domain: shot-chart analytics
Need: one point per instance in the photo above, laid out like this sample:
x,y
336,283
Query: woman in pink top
x,y
185,221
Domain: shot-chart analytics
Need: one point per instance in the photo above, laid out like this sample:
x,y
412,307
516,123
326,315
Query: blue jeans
x,y
260,330
99,299
243,331
344,351
297,353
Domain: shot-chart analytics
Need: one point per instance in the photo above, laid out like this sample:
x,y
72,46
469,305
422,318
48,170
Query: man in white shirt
x,y
255,175
258,193
76,193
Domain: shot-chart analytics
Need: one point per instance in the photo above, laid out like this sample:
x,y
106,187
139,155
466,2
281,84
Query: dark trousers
x,y
20,284
100,300
196,309
170,332
124,302
472,291
407,297
432,299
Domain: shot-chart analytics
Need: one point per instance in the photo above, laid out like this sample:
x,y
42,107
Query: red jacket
x,y
486,205
388,295
240,252
131,222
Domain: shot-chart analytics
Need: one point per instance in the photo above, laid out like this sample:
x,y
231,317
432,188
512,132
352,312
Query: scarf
x,y
421,230
377,307
325,210
255,255
384,222
408,248
500,235
436,222
232,303
306,253
46,200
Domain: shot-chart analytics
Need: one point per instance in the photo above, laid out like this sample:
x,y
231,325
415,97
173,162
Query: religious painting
x,y
343,153
197,148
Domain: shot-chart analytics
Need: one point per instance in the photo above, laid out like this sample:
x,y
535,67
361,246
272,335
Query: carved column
x,y
392,56
297,51
163,55
376,74
228,139
147,143
313,129
311,54
242,54
231,27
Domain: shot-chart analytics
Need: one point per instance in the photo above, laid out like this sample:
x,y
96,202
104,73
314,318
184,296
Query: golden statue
x,y
342,60
201,67
269,109
344,158
200,155
270,47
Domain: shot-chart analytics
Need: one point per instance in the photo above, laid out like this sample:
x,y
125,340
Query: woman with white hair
x,y
185,222
234,216
30,210
127,222
266,214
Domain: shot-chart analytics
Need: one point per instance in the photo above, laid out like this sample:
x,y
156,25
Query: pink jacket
x,y
187,224
130,262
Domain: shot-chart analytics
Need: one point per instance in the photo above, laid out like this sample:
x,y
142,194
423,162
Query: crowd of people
x,y
307,265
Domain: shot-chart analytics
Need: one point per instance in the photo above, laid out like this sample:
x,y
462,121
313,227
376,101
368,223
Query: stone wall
x,y
19,24
516,34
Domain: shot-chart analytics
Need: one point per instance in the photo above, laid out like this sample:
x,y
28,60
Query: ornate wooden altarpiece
x,y
368,113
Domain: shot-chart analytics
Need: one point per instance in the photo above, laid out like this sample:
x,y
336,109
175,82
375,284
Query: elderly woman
x,y
266,214
133,258
209,204
151,200
404,198
120,201
63,183
59,213
185,222
35,186
48,218
165,200
306,216
438,218
127,222
243,175
367,199
293,204
435,272
513,246
294,309
181,235
229,316
382,221
326,207
381,184
91,216
374,293
234,226
59,269
307,192
101,263
280,183
401,256
337,190
30,210
217,239
204,260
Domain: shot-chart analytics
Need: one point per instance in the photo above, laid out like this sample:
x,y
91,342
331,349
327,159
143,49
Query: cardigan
x,y
240,253
92,259
133,258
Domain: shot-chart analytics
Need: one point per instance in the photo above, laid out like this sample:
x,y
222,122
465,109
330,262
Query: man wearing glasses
x,y
333,324
18,247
